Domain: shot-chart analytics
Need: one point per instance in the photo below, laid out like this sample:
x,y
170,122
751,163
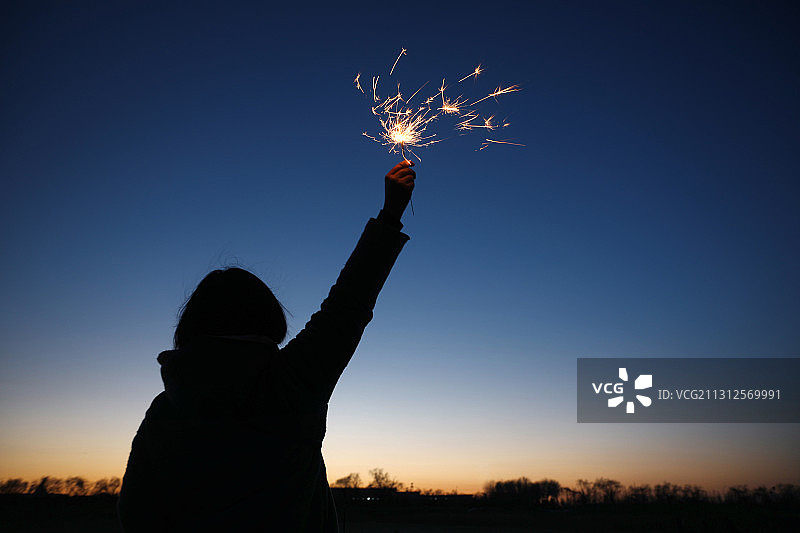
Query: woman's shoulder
x,y
160,408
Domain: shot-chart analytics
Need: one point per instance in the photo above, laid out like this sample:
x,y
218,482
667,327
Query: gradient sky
x,y
652,213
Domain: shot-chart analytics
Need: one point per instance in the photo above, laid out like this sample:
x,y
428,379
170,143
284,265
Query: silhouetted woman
x,y
234,441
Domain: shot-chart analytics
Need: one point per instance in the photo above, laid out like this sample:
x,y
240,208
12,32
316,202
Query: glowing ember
x,y
475,73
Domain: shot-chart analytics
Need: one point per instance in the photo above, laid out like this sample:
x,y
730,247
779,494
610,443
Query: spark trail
x,y
402,53
405,126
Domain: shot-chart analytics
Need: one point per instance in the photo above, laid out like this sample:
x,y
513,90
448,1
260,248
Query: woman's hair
x,y
231,301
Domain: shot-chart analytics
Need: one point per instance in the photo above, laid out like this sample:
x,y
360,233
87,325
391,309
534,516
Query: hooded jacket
x,y
234,441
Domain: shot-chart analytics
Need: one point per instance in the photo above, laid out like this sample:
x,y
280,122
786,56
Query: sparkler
x,y
406,126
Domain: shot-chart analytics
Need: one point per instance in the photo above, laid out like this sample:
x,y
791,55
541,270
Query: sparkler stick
x,y
403,152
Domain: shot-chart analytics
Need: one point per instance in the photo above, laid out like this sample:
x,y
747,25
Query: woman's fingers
x,y
402,175
406,179
399,185
399,167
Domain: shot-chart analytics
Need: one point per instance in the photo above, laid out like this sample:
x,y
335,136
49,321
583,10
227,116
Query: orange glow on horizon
x,y
448,480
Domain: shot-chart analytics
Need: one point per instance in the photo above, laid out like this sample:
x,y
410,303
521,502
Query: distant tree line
x,y
521,492
70,486
380,480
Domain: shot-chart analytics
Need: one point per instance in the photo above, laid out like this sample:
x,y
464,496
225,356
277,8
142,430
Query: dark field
x,y
27,513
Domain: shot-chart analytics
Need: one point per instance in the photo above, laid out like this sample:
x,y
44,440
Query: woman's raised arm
x,y
320,352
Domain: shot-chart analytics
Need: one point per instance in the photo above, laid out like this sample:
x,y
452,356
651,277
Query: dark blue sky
x,y
652,212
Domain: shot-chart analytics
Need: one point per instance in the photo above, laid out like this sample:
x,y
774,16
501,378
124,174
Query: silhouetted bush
x,y
76,486
522,492
639,494
786,494
14,486
72,486
350,481
608,489
106,486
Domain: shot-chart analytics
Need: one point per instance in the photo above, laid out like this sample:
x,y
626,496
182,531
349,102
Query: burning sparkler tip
x,y
404,126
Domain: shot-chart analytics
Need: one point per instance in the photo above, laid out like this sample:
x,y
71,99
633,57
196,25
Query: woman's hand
x,y
399,184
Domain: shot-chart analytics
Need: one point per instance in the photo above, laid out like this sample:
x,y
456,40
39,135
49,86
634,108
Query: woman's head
x,y
230,301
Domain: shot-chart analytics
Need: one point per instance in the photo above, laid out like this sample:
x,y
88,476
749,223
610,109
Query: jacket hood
x,y
217,376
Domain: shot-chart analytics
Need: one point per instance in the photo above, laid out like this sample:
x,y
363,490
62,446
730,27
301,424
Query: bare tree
x,y
666,492
609,488
382,480
523,491
106,486
587,491
75,486
550,490
571,497
738,494
49,485
350,481
693,493
639,493
13,486
787,493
